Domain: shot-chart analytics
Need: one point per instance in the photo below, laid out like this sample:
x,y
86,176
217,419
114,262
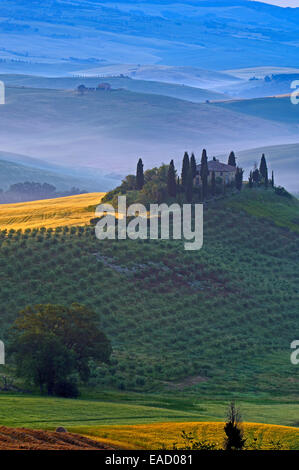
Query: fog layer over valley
x,y
109,130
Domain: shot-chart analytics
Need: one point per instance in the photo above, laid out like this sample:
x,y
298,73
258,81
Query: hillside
x,y
279,109
197,95
216,320
158,31
107,130
65,211
190,76
261,72
11,173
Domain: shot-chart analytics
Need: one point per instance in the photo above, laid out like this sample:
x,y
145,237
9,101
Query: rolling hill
x,y
279,109
170,74
155,32
223,316
197,95
11,173
109,130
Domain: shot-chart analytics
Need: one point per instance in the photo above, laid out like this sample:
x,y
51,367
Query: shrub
x,y
280,191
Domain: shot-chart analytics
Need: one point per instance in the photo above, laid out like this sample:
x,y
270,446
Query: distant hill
x,y
261,72
158,31
12,172
282,159
279,109
197,95
182,75
269,85
109,130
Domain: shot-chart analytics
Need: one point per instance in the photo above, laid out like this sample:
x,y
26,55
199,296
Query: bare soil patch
x,y
30,439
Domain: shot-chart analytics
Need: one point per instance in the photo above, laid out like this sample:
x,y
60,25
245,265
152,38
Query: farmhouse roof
x,y
215,165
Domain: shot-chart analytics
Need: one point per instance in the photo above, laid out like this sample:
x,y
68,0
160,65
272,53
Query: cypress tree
x,y
139,175
193,165
250,180
232,159
256,176
189,186
239,178
185,170
264,169
171,180
213,183
204,173
272,179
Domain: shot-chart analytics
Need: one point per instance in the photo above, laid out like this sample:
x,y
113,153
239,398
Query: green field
x,y
127,408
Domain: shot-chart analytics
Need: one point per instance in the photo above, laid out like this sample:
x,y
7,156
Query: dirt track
x,y
29,439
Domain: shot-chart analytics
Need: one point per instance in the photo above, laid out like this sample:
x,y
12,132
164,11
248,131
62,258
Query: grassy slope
x,y
72,210
285,213
224,316
112,408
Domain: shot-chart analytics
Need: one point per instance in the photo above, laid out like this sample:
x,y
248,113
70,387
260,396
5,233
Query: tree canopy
x,y
50,342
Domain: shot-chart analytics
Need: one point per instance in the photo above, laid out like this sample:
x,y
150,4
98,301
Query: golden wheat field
x,y
164,435
72,210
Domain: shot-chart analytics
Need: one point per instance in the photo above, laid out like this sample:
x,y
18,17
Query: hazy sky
x,y
283,3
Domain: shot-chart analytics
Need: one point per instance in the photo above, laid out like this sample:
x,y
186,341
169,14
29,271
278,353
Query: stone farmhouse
x,y
225,172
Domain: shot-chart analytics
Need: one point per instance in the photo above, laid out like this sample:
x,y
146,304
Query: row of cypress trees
x,y
260,176
185,183
189,170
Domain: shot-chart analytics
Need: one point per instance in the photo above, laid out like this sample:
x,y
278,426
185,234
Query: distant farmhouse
x,y
104,86
221,170
101,87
